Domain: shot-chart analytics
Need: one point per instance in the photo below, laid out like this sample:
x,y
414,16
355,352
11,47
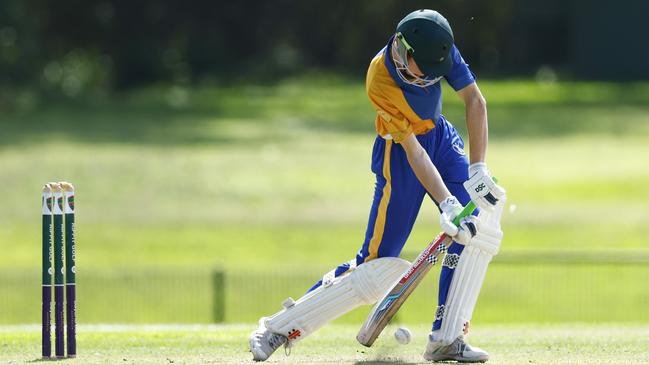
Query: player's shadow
x,y
47,359
383,362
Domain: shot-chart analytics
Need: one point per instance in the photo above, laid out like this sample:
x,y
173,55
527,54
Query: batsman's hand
x,y
468,226
481,187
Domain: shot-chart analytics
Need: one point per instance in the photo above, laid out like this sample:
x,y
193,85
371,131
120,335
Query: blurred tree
x,y
77,45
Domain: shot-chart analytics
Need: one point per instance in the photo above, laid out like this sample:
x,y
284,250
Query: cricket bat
x,y
387,307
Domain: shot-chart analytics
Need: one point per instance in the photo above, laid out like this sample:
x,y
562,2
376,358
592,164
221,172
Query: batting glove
x,y
481,187
468,226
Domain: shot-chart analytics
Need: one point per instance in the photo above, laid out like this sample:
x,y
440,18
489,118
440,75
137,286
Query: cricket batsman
x,y
417,152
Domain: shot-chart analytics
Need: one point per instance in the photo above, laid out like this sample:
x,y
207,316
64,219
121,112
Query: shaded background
x,y
122,44
221,153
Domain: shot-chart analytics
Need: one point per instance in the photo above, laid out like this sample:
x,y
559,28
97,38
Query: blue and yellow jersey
x,y
403,108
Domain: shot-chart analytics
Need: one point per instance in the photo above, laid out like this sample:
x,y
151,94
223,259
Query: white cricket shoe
x,y
458,350
263,342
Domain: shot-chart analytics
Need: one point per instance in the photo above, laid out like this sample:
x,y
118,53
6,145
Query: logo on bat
x,y
293,334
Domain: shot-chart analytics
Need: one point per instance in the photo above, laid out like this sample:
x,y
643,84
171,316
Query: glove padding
x,y
481,187
468,227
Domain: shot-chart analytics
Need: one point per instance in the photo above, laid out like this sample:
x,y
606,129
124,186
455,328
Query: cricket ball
x,y
402,335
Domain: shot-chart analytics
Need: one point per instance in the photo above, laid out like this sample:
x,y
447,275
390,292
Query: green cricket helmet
x,y
426,36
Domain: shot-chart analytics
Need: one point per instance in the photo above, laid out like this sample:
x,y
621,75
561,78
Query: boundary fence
x,y
524,286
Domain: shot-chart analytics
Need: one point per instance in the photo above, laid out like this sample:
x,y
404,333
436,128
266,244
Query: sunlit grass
x,y
596,345
267,177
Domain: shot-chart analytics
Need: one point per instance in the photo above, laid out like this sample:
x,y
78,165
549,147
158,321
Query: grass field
x,y
227,344
245,178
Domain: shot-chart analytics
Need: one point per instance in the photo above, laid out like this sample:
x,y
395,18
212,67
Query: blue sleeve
x,y
460,76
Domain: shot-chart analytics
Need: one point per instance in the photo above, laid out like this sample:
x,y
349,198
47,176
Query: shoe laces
x,y
461,344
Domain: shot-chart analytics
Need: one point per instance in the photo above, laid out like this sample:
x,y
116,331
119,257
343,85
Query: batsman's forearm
x,y
478,128
428,175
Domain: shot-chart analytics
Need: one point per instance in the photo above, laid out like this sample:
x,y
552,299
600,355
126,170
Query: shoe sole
x,y
460,360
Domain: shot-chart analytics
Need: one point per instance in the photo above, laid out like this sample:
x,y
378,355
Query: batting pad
x,y
470,273
363,285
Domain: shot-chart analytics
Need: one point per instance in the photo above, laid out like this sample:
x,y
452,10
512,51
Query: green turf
x,y
209,198
578,344
276,178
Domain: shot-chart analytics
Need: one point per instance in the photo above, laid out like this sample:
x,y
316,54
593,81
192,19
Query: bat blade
x,y
387,307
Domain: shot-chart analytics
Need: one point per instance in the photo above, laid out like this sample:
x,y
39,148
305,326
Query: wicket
x,y
57,201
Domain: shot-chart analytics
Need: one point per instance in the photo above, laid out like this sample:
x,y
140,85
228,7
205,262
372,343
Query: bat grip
x,y
466,211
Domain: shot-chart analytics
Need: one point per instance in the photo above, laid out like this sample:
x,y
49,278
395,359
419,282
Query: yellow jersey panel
x,y
394,116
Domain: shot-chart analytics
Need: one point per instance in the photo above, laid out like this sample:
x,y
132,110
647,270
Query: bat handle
x,y
466,211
